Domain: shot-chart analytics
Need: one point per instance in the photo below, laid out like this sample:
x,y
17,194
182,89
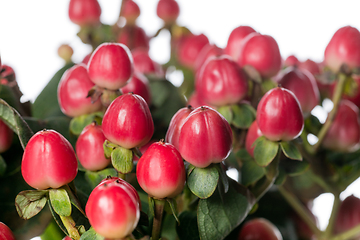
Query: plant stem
x,y
69,224
336,100
330,228
121,175
159,208
300,210
137,152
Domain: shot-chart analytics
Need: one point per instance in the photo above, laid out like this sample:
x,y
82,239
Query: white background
x,y
31,32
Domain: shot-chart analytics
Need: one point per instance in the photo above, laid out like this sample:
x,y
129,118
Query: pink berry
x,y
111,66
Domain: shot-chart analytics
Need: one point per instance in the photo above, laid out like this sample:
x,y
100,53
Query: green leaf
x,y
14,121
94,178
2,166
251,172
46,104
60,201
265,151
91,235
31,202
172,202
77,124
122,159
291,151
74,199
8,95
217,216
243,155
281,178
243,115
267,85
294,168
226,112
203,181
223,177
52,232
188,229
108,148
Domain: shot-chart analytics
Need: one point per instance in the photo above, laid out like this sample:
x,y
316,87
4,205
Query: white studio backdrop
x,y
31,32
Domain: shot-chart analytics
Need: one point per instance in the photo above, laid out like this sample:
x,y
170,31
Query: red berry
x,y
5,232
261,52
344,133
235,41
348,215
112,210
173,132
73,90
291,61
208,51
84,12
251,136
343,48
205,137
303,84
89,148
120,181
49,161
6,137
130,11
279,115
138,84
133,37
168,11
195,100
189,48
161,171
110,66
144,64
128,122
259,229
221,82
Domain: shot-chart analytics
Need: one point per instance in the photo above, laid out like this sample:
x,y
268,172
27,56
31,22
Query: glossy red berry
x,y
134,37
303,84
120,181
84,12
128,122
261,52
291,61
144,64
130,11
6,137
49,161
5,232
89,148
208,51
189,48
251,136
110,66
138,84
235,41
173,132
259,229
343,48
73,90
348,215
112,210
221,82
161,171
344,133
168,10
210,134
279,115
